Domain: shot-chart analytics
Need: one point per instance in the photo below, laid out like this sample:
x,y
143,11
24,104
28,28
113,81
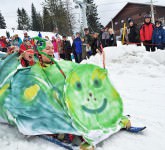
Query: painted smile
x,y
98,110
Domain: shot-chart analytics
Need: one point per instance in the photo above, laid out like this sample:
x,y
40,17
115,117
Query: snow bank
x,y
123,57
129,55
158,56
21,33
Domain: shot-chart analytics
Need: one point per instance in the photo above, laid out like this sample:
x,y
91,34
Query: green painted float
x,y
40,100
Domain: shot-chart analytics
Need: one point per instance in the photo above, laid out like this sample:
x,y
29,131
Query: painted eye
x,y
97,83
78,86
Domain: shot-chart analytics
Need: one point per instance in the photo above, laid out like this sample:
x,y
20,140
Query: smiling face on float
x,y
91,100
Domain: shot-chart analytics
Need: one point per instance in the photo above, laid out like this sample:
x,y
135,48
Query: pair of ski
x,y
69,146
57,142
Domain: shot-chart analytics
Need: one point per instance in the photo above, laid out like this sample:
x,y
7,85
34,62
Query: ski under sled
x,y
68,143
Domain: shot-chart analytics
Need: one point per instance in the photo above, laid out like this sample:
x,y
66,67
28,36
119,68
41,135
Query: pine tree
x,y
52,6
47,20
92,16
62,21
25,20
2,22
19,15
36,19
60,15
39,22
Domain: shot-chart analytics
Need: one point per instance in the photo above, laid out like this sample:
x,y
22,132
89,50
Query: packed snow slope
x,y
139,77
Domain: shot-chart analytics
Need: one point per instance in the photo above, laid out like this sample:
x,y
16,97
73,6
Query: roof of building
x,y
128,3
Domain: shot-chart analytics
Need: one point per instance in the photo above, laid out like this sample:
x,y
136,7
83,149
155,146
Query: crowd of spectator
x,y
82,46
151,35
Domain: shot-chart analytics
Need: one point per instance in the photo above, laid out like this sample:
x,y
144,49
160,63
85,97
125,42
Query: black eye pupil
x,y
78,85
97,83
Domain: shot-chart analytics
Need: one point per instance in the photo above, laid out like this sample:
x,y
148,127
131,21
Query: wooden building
x,y
136,11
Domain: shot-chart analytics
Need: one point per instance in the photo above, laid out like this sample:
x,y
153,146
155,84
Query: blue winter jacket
x,y
17,42
158,37
78,45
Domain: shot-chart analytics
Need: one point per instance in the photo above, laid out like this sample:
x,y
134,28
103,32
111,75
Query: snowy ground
x,y
21,33
139,77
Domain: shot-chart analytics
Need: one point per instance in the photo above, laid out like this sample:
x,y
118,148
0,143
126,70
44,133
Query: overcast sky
x,y
106,8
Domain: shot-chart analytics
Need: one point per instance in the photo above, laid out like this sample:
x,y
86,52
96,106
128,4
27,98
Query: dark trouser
x,y
62,56
104,42
149,47
75,56
79,57
67,56
84,52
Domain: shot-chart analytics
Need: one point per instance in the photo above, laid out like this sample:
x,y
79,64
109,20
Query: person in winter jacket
x,y
146,31
100,34
59,47
66,47
105,38
16,41
8,43
133,33
87,42
26,37
78,47
73,48
55,45
95,44
40,35
3,43
158,37
112,38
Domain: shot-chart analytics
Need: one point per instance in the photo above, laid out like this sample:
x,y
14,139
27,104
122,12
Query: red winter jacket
x,y
146,32
2,43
